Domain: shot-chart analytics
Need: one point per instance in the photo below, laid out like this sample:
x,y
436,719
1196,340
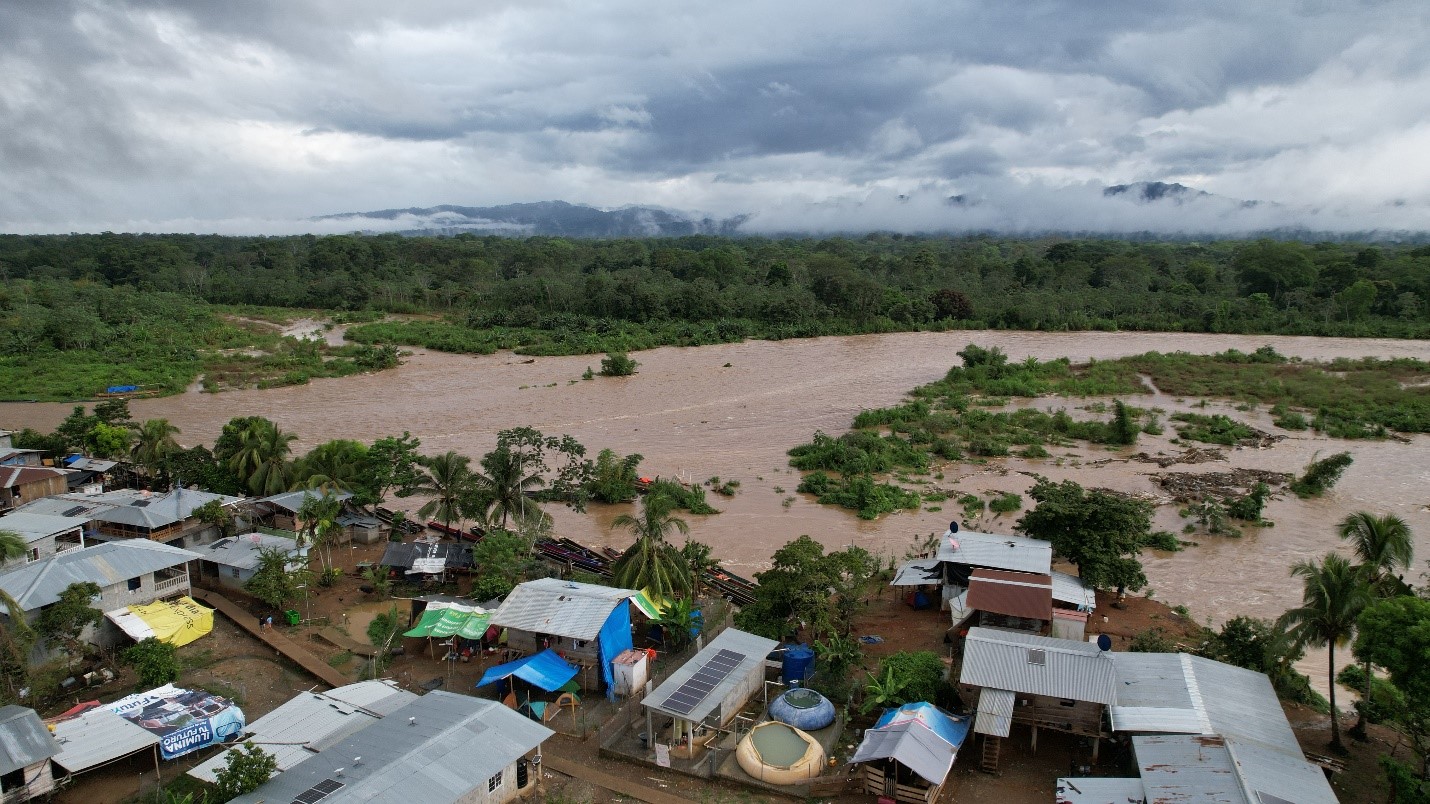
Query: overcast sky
x,y
253,116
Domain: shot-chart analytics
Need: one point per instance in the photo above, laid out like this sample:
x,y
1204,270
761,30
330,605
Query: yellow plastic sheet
x,y
177,622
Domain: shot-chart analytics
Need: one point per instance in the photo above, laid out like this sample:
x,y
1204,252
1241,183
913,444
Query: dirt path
x,y
271,637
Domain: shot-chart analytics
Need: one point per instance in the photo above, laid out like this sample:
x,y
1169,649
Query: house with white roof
x,y
132,572
962,553
44,535
586,624
295,730
229,562
26,752
441,748
136,514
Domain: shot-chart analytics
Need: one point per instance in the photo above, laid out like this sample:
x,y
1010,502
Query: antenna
x,y
1104,642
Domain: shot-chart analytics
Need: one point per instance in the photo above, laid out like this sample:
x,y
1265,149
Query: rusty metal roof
x,y
1015,594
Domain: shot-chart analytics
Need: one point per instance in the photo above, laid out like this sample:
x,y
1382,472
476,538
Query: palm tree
x,y
1332,597
502,487
17,639
261,460
154,442
448,480
652,564
12,546
1383,545
331,466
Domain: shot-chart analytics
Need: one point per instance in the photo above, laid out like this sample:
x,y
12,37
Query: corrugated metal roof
x,y
995,712
156,511
1206,696
559,608
436,749
1187,768
24,740
1015,594
1070,589
96,737
914,745
40,583
1016,553
1008,660
244,551
1099,791
918,573
753,648
33,527
291,501
314,717
11,476
1290,778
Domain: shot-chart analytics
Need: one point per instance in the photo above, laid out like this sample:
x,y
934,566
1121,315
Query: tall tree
x,y
261,458
391,464
1394,633
447,479
154,444
653,564
1099,531
502,485
1333,595
335,465
65,620
12,546
1382,545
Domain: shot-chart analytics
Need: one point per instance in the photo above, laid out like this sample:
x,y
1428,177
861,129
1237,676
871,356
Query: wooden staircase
x,y
989,761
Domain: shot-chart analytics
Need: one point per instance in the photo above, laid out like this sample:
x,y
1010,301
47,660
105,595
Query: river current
x,y
733,410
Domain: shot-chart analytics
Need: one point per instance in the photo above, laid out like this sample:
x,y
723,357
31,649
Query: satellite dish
x,y
1104,642
953,526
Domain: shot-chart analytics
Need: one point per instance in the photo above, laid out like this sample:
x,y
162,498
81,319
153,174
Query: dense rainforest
x,y
158,309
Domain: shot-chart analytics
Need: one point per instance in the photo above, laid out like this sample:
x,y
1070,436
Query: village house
x,y
127,573
314,718
709,689
439,748
26,752
23,484
137,514
84,475
229,562
586,624
1202,730
44,535
1035,681
9,456
278,514
1012,572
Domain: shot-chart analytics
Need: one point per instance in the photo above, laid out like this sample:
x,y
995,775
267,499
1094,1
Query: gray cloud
x,y
167,115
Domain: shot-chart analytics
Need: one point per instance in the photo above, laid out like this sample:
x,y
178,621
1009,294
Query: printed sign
x,y
184,720
662,755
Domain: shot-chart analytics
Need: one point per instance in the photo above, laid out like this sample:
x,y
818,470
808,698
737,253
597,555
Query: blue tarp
x,y
545,670
121,389
615,639
951,728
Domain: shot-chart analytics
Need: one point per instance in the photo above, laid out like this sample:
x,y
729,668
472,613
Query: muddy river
x,y
733,410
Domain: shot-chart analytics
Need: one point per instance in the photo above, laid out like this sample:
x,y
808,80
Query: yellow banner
x,y
178,621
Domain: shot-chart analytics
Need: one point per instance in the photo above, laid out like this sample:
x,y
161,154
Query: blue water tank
x,y
803,709
798,664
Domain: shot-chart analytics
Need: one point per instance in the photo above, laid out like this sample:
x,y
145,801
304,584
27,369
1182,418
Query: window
x,y
135,583
493,783
234,571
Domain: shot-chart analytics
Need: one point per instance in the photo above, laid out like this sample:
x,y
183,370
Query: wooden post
x,y
1035,739
1096,743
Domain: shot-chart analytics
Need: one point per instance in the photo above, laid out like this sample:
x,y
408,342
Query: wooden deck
x,y
273,638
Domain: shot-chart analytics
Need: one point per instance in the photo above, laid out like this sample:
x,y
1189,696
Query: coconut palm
x,y
261,460
331,466
652,564
1332,597
17,639
1383,545
12,546
447,479
502,485
153,443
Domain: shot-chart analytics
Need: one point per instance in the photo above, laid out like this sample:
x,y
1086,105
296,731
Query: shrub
x,y
155,661
618,364
1006,503
1321,475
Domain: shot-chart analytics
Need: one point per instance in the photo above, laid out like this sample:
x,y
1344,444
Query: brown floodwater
x,y
733,410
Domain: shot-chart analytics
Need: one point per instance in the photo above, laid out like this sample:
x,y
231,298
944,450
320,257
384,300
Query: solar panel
x,y
318,792
699,686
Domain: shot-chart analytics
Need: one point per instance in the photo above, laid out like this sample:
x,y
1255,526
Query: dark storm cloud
x,y
151,113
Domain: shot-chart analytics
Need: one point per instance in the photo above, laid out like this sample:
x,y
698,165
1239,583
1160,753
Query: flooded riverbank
x,y
733,410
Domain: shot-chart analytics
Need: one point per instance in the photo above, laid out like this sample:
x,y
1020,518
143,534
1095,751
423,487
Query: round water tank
x,y
798,664
803,708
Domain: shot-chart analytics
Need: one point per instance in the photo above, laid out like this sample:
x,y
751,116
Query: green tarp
x,y
442,620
